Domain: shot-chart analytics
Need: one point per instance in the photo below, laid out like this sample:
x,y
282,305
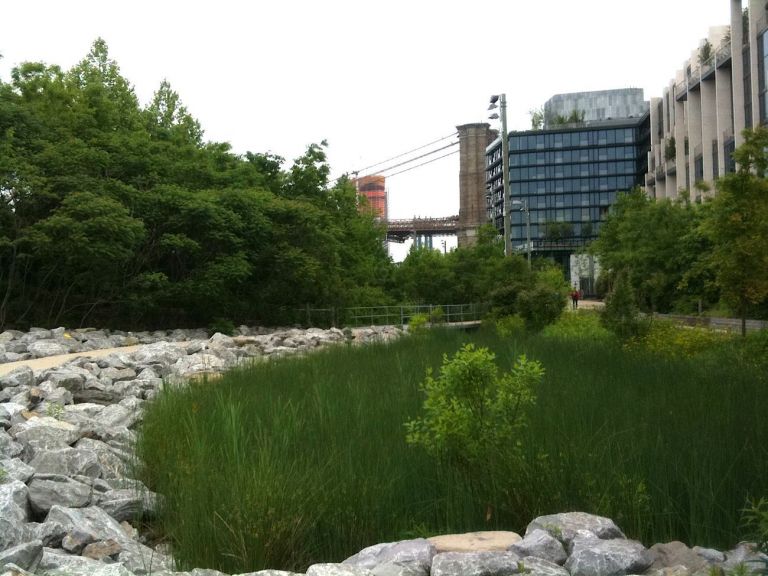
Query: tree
x,y
537,118
621,315
656,242
738,227
169,118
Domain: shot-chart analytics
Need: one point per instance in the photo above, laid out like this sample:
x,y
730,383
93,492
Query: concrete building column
x,y
725,128
693,121
708,126
681,161
737,68
654,156
670,185
756,22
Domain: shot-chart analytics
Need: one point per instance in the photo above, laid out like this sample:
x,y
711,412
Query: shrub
x,y
755,517
621,314
222,325
436,315
754,348
509,326
665,338
471,413
581,325
418,324
504,300
540,306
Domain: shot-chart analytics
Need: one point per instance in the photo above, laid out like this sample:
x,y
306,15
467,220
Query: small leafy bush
x,y
504,300
540,306
418,324
509,326
755,517
436,315
471,412
621,314
753,348
580,325
222,325
668,339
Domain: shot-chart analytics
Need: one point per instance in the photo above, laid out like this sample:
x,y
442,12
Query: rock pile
x,y
67,499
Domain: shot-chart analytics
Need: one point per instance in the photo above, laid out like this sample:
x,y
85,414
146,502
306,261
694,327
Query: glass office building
x,y
567,178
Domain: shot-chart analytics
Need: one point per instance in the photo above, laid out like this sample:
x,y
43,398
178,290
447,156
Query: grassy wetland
x,y
303,460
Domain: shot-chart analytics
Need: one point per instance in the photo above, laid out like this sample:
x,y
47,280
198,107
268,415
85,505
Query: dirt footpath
x,y
52,361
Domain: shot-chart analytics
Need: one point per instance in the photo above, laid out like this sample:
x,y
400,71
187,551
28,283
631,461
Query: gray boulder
x,y
67,462
9,448
141,559
709,554
15,469
13,513
117,374
46,490
43,348
26,556
44,433
533,566
71,377
565,526
57,563
476,564
676,554
541,544
49,533
748,555
22,376
416,554
129,504
113,462
337,570
197,363
609,558
162,353
8,335
93,521
102,550
125,414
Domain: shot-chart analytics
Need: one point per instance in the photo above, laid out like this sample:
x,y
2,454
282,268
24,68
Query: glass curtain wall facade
x,y
568,179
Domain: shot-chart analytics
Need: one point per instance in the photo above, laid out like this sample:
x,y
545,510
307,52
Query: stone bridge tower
x,y
473,139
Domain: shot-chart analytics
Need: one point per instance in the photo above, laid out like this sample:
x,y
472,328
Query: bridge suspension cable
x,y
423,163
406,153
414,159
361,170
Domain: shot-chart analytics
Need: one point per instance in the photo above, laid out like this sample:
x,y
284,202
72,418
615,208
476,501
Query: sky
x,y
373,79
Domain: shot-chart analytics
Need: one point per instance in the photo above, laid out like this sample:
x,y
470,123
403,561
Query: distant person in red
x,y
575,295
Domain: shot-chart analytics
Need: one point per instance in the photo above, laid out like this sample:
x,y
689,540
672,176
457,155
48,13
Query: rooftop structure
x,y
594,106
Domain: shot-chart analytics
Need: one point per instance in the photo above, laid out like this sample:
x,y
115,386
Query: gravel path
x,y
52,361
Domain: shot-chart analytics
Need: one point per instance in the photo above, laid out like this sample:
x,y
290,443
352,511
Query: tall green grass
x,y
304,460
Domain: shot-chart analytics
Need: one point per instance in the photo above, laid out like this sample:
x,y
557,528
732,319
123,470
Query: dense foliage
x,y
116,214
686,257
122,215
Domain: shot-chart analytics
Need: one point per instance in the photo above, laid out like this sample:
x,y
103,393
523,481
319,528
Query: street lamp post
x,y
502,99
524,208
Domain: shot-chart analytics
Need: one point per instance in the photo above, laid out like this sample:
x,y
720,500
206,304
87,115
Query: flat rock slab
x,y
490,541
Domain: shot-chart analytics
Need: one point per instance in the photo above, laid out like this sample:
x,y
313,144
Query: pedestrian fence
x,y
390,315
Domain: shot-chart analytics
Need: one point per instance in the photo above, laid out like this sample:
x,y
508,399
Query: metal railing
x,y
390,315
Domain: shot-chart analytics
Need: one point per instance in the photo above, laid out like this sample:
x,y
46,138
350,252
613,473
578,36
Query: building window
x,y
762,73
747,88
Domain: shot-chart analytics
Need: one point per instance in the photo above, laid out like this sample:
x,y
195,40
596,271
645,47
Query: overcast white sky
x,y
373,78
